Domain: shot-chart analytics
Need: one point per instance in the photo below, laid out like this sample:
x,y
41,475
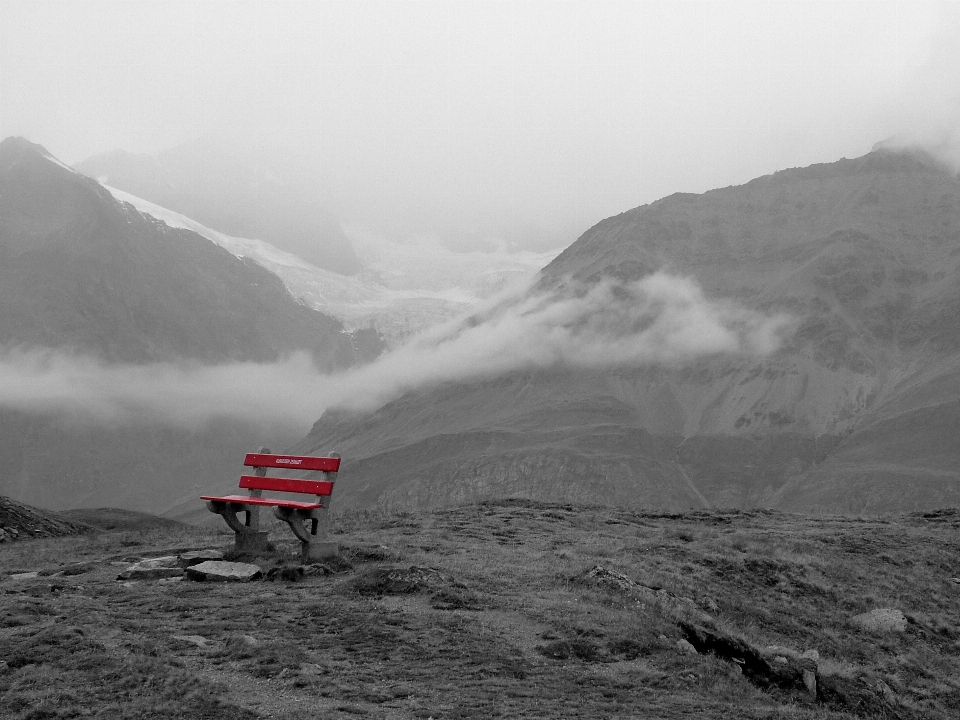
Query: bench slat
x,y
295,485
293,462
247,500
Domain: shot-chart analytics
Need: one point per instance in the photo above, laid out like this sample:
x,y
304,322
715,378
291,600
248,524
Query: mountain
x,y
855,411
250,195
85,273
401,288
81,269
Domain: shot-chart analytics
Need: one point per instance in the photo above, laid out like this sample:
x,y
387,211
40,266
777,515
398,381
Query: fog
x,y
525,119
660,319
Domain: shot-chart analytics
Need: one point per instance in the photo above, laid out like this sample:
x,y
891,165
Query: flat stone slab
x,y
881,620
25,575
149,573
168,561
220,570
195,557
152,569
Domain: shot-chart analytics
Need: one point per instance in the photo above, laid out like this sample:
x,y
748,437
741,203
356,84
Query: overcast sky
x,y
555,114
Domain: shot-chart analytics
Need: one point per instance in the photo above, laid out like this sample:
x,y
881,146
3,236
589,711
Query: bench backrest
x,y
292,462
329,466
293,485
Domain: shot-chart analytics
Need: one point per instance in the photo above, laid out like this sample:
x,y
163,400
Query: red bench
x,y
313,543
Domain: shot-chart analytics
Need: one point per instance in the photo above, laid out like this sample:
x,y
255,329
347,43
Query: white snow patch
x,y
54,160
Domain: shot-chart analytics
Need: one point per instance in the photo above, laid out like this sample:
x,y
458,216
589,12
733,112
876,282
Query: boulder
x,y
219,570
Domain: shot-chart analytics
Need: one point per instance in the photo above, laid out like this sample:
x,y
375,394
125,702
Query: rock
x,y
4,666
884,689
599,575
318,569
881,620
880,688
199,640
25,575
135,573
781,651
810,681
152,569
290,574
686,647
167,561
781,659
752,661
709,604
219,570
811,655
195,557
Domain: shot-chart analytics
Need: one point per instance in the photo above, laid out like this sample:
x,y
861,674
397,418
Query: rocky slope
x,y
23,522
855,411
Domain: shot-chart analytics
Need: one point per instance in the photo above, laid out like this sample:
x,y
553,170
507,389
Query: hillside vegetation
x,y
506,609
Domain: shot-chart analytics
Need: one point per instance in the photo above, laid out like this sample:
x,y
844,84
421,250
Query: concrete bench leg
x,y
248,539
313,546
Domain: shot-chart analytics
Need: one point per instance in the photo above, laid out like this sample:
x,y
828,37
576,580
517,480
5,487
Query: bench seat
x,y
247,500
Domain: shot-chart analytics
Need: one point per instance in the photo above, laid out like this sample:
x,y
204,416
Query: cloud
x,y
659,319
77,386
926,111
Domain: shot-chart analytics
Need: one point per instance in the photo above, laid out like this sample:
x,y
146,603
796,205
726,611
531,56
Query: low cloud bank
x,y
661,319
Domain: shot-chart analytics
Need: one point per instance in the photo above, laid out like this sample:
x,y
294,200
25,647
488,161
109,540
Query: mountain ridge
x,y
240,192
863,254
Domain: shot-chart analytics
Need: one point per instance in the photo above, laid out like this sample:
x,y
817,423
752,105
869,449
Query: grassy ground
x,y
492,611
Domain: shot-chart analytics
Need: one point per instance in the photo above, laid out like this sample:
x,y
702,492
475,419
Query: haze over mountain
x,y
854,411
250,194
90,276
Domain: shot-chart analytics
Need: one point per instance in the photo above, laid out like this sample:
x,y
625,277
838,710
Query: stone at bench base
x,y
311,552
250,541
